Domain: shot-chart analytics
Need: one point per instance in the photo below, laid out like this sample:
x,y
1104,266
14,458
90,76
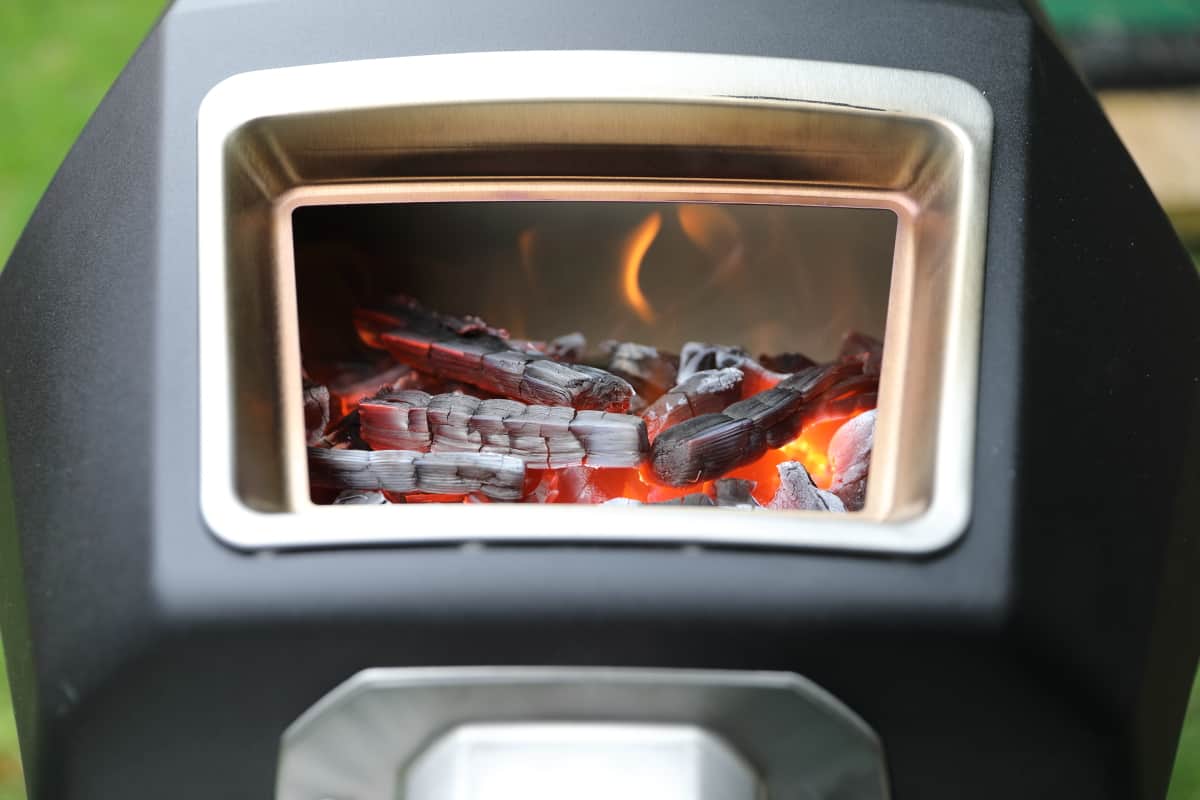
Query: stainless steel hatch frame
x,y
454,127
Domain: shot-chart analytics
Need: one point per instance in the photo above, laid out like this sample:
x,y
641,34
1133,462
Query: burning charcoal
x,y
798,492
349,382
357,497
316,411
496,476
705,392
850,458
650,372
568,348
541,436
695,499
733,493
343,434
468,351
595,485
849,398
697,356
786,363
866,348
710,445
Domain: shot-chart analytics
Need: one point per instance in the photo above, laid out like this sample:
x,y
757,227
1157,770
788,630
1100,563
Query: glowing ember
x,y
811,449
460,412
634,252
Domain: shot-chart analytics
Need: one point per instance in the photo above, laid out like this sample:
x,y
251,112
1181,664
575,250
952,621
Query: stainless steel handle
x,y
475,733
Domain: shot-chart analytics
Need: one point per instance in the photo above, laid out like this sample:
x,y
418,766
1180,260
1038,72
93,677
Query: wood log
x,y
496,476
850,460
541,436
467,350
798,492
705,392
710,445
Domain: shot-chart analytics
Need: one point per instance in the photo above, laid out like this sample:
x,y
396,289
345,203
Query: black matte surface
x,y
1046,655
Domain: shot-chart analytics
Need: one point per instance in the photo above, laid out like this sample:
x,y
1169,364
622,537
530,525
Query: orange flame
x,y
635,248
710,228
525,244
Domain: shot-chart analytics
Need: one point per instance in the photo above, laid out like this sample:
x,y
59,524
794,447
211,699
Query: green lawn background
x,y
58,57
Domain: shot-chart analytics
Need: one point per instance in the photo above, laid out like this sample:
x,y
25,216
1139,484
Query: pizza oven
x,y
651,400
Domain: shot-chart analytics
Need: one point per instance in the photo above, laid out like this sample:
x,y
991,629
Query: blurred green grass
x,y
12,785
58,57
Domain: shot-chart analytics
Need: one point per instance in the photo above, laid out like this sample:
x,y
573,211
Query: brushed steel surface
x,y
582,761
365,739
576,126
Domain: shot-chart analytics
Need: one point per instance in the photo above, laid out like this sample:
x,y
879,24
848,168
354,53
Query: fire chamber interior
x,y
767,278
780,295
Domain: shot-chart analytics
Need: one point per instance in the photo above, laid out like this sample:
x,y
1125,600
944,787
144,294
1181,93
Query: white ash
x,y
359,497
569,347
850,459
798,492
467,350
699,356
497,476
541,436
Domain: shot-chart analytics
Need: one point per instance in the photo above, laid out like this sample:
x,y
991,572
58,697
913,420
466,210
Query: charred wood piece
x,y
316,411
710,445
358,497
649,371
733,493
786,363
798,492
850,460
698,356
849,397
543,437
469,352
349,382
694,499
496,476
723,493
569,348
864,348
705,392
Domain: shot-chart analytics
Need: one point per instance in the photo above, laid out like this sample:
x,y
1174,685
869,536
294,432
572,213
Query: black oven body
x,y
1048,653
